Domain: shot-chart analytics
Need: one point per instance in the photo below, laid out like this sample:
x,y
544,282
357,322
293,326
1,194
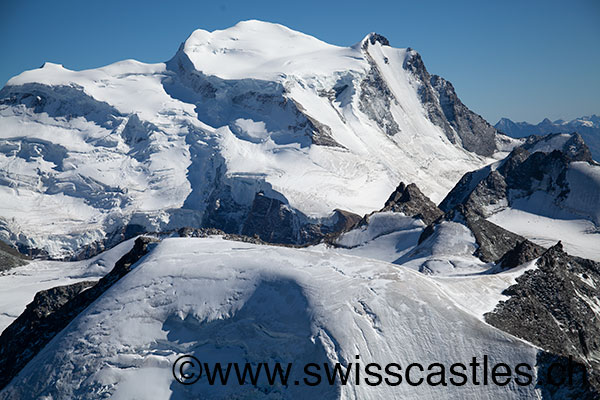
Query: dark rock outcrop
x,y
493,241
475,133
275,222
556,308
272,221
444,108
561,378
10,258
344,221
52,310
523,252
520,175
377,38
376,98
413,203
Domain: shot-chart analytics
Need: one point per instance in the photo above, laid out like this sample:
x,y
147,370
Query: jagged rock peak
x,y
558,247
414,63
523,252
409,200
377,38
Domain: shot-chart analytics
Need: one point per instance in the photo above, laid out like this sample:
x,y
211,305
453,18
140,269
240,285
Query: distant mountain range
x,y
588,127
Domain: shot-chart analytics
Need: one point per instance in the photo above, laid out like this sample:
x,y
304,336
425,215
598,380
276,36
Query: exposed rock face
x,y
493,241
320,133
522,173
489,194
556,307
39,323
413,203
377,38
523,252
10,258
223,212
275,222
445,109
376,97
475,133
568,380
345,221
272,221
52,310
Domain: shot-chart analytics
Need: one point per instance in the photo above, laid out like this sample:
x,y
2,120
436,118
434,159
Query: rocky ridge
x,y
52,310
555,306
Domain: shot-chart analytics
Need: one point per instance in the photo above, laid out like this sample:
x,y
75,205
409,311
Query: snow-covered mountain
x,y
251,173
253,118
587,126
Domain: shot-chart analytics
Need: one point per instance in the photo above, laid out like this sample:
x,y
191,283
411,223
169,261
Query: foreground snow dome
x,y
231,302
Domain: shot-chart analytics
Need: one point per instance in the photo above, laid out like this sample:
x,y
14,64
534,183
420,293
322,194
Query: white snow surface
x,y
549,144
258,50
574,220
147,144
580,237
394,238
379,224
230,301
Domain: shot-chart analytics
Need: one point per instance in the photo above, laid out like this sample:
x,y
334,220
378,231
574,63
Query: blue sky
x,y
521,59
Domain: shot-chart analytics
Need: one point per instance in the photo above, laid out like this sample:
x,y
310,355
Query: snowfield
x,y
580,237
230,301
574,219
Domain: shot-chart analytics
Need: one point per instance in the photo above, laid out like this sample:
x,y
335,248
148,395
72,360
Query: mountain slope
x,y
88,158
546,190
